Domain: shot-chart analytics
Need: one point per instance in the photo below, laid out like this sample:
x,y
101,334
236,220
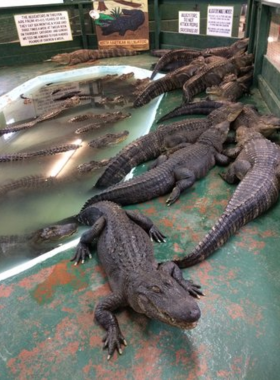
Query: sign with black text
x,y
43,28
219,21
189,22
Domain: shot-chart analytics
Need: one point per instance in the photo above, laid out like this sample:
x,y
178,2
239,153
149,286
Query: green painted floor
x,y
47,329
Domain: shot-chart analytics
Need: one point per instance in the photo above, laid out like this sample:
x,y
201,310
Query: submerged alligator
x,y
35,240
258,168
86,55
68,103
111,118
155,143
185,56
126,254
108,139
175,173
39,153
40,182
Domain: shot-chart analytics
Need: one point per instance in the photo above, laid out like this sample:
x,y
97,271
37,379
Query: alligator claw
x,y
113,341
81,253
156,235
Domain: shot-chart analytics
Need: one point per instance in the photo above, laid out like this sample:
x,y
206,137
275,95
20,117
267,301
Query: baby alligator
x,y
126,254
108,139
39,153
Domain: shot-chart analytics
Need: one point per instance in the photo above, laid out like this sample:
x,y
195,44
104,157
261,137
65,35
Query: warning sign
x,y
43,28
189,22
219,21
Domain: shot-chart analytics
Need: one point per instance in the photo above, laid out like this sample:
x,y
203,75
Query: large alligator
x,y
126,254
174,80
200,107
231,88
258,168
175,173
37,239
214,73
169,82
86,55
154,143
69,103
185,56
39,153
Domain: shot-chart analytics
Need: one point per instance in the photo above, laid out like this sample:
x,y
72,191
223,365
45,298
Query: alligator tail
x,y
155,89
230,222
143,149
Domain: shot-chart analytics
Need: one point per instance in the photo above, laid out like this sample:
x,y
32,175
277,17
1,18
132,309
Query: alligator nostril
x,y
195,314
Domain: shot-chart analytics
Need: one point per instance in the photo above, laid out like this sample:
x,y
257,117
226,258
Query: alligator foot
x,y
193,289
156,235
82,251
113,341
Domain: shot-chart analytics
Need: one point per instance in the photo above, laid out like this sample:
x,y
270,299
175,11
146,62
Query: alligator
x,y
173,81
175,172
39,153
131,19
126,253
231,88
150,146
258,168
68,103
108,139
86,55
40,182
37,239
213,74
252,119
97,117
200,107
169,82
92,165
113,118
185,56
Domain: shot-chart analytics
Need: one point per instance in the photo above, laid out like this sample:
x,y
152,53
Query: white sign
x,y
189,22
219,21
43,28
17,3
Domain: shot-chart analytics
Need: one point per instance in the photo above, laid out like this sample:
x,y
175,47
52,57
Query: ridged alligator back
x,y
211,75
158,181
146,148
256,193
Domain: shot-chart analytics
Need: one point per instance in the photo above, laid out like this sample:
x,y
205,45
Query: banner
x,y
121,23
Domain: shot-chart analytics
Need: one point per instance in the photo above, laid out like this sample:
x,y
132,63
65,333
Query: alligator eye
x,y
156,289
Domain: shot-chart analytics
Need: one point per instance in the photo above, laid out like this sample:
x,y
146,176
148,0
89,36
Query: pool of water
x,y
26,209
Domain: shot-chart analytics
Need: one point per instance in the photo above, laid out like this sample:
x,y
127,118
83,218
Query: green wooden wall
x,y
163,23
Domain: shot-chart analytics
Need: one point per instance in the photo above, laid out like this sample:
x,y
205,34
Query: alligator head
x,y
239,46
244,135
229,111
159,296
216,135
55,232
63,58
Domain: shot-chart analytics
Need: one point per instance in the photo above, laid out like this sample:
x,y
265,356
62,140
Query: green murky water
x,y
26,210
